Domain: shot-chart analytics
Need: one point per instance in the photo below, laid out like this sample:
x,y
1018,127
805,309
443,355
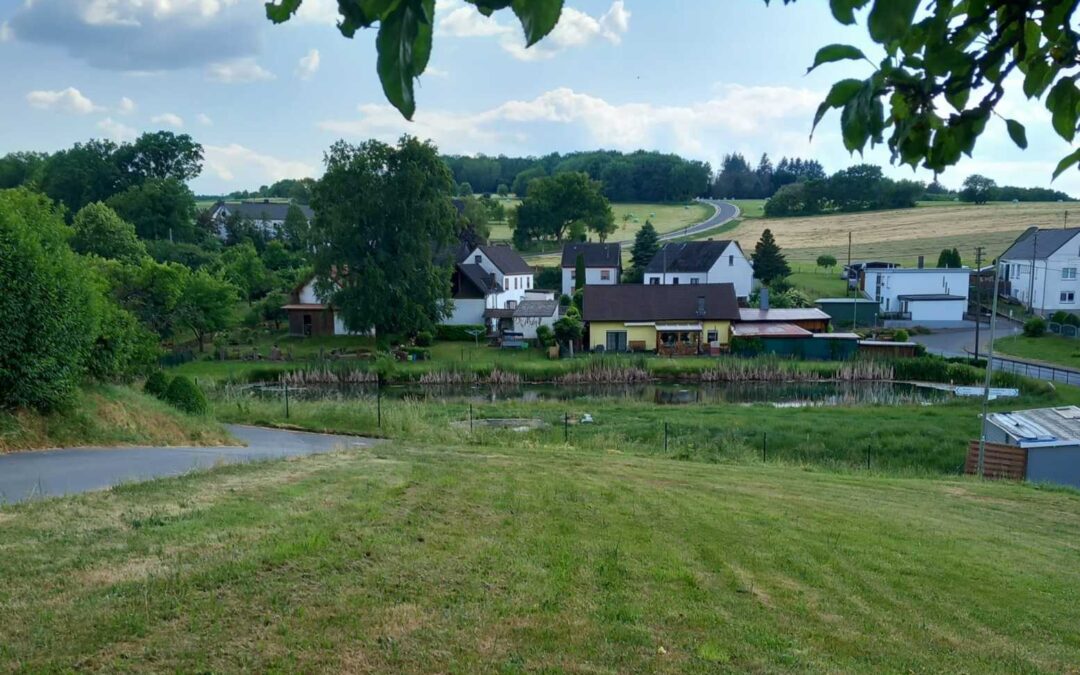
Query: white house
x,y
268,216
603,265
311,315
932,297
702,262
487,286
537,309
1054,255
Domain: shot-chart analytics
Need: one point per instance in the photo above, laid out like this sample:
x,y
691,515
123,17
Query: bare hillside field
x,y
906,233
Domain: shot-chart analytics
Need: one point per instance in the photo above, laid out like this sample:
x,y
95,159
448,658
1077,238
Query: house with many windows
x,y
487,285
603,265
1040,269
673,320
932,297
702,262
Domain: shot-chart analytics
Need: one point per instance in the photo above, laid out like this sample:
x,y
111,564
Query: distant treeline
x,y
737,180
862,187
627,177
295,189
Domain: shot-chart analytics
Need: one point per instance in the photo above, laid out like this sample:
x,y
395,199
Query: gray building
x,y
1050,436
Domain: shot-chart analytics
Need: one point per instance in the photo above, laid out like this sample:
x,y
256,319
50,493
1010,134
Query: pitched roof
x,y
595,255
473,282
770,330
1039,244
782,315
648,302
506,259
265,210
688,256
536,308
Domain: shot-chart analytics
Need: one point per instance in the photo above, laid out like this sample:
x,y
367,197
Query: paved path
x,y
725,213
49,473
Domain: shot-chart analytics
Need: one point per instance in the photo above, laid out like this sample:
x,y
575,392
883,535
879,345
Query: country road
x,y
51,473
725,213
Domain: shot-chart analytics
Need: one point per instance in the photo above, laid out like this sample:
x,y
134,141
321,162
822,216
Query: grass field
x,y
418,558
107,415
1049,349
817,282
667,218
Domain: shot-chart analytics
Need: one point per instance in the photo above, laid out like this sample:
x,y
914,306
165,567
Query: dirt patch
x,y
402,620
135,569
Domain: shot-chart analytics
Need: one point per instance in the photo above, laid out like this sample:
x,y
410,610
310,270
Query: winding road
x,y
51,473
725,213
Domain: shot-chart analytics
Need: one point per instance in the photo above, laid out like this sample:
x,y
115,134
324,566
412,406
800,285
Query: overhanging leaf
x,y
396,44
844,10
890,19
1063,102
834,53
283,11
1065,163
841,92
1017,133
538,17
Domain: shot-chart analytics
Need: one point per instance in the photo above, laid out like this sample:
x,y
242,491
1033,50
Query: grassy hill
x,y
415,558
629,217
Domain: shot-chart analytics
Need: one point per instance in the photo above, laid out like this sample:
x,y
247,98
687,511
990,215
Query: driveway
x,y
51,473
961,341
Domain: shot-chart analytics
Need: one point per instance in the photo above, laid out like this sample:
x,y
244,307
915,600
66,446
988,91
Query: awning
x,y
677,327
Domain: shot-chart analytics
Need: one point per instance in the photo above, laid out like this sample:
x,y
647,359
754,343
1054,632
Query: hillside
x,y
904,234
413,558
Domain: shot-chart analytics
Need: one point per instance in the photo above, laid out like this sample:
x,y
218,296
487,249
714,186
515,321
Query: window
x,y
528,282
573,274
675,281
1068,297
616,341
511,304
477,259
605,275
695,281
731,261
713,336
1068,273
655,281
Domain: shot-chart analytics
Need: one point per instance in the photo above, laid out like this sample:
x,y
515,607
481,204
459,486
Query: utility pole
x,y
989,368
978,296
855,297
1031,291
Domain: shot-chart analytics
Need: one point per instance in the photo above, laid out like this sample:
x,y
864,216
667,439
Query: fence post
x,y
378,400
868,458
764,444
470,418
286,399
566,427
665,436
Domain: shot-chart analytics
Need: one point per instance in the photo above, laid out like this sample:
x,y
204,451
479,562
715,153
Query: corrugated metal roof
x,y
769,330
536,308
1040,424
931,297
772,315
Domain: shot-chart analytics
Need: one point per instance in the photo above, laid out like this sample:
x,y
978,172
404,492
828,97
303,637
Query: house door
x,y
616,341
307,325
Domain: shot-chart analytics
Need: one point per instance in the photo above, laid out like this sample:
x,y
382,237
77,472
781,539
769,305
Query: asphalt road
x,y
50,473
724,212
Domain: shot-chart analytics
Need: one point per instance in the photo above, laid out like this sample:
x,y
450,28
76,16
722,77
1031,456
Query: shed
x,y
1047,441
810,319
841,310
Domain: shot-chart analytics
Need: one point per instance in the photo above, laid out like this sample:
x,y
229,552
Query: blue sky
x,y
266,101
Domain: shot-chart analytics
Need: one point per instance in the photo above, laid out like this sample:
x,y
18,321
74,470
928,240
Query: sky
x,y
266,101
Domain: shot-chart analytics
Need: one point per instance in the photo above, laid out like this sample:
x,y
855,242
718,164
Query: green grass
x,y
817,282
907,251
667,218
1052,349
107,415
416,558
750,208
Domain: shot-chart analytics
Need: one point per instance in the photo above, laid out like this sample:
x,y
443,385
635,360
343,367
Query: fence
x,y
1063,329
1037,371
999,461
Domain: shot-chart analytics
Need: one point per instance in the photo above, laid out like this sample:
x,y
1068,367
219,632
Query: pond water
x,y
781,394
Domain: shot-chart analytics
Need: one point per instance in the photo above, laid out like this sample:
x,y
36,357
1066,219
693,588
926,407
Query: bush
x,y
901,336
424,339
1059,317
446,333
545,337
1072,320
157,384
1035,327
186,395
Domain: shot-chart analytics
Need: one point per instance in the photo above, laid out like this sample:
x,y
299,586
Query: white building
x,y
603,265
311,315
537,309
931,297
268,216
487,286
1054,255
702,262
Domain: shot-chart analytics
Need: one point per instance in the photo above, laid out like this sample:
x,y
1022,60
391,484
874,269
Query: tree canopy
x,y
555,204
99,231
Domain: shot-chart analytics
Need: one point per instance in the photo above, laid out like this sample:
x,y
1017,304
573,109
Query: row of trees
x,y
858,188
737,180
979,189
297,190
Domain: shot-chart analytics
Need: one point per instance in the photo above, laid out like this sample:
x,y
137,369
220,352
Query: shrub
x,y
457,333
1072,320
1059,317
1035,327
157,384
901,336
545,337
186,395
424,339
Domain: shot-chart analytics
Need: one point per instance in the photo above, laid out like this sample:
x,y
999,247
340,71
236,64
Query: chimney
x,y
763,298
701,306
922,262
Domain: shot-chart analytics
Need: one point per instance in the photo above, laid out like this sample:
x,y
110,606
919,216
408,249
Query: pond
x,y
780,394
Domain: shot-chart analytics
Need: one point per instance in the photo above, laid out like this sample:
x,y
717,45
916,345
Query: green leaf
x,y
1063,102
844,10
538,17
403,44
280,13
1017,133
833,53
841,92
890,19
1066,163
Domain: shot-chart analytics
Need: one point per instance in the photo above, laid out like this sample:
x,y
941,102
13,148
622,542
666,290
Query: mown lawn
x,y
420,558
630,217
1049,348
817,282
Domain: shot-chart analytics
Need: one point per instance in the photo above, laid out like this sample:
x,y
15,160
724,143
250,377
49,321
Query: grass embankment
x,y
1050,349
103,415
410,558
630,217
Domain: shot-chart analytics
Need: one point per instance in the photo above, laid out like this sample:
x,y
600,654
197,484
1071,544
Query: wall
x,y
308,296
929,313
895,283
466,313
592,278
731,268
841,312
523,282
528,325
647,334
1048,283
1054,465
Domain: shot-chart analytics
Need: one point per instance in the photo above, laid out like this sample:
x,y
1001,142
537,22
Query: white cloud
x,y
238,71
575,29
318,11
64,100
204,120
433,71
237,163
126,107
308,65
6,33
170,119
117,131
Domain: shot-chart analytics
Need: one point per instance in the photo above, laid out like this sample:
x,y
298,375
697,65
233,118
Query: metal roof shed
x,y
1051,437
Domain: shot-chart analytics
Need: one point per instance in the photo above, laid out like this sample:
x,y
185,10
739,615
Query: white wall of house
x,y
1057,279
467,313
931,312
528,325
594,276
730,268
885,286
308,296
514,286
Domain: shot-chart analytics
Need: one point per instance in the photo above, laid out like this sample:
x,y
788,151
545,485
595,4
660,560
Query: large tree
x,y
205,305
769,263
99,231
160,155
149,290
977,189
646,245
556,203
382,212
247,271
160,208
82,174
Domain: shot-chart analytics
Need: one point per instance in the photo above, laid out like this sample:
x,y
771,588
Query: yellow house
x,y
679,319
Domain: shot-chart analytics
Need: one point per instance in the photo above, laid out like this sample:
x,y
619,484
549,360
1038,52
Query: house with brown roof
x,y
702,262
673,320
487,285
603,265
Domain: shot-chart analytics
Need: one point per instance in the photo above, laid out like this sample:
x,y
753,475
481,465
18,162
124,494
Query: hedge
x,y
457,333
